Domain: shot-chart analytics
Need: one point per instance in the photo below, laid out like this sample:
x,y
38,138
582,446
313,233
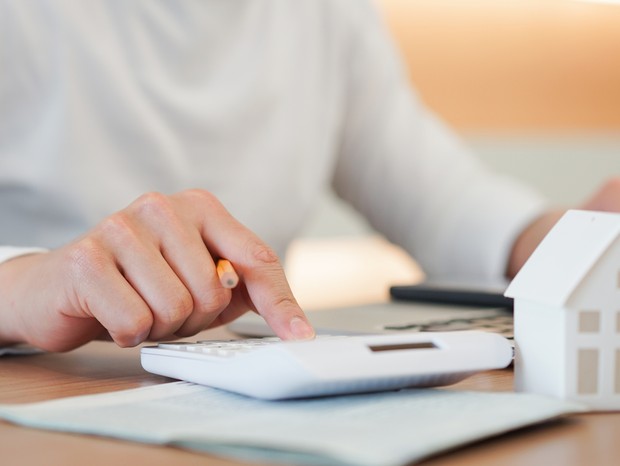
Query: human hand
x,y
146,273
605,199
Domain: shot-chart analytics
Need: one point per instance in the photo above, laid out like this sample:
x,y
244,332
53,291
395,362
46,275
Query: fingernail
x,y
300,329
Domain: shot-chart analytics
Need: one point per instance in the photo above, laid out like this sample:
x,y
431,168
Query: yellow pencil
x,y
227,274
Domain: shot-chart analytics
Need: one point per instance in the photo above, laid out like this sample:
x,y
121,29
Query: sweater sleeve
x,y
7,253
412,177
11,252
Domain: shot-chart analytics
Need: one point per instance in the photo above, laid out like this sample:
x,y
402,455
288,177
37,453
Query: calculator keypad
x,y
220,348
228,348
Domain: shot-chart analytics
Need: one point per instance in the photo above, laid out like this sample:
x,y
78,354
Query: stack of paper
x,y
379,429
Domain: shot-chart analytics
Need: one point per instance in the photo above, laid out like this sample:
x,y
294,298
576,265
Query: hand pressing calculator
x,y
272,369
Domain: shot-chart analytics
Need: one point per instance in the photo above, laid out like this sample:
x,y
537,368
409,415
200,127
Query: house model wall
x,y
567,312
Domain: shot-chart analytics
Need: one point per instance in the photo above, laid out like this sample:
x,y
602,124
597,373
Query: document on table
x,y
378,429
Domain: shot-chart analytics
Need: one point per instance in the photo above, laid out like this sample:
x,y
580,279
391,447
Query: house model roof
x,y
561,261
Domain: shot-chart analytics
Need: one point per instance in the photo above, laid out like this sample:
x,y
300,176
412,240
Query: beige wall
x,y
513,65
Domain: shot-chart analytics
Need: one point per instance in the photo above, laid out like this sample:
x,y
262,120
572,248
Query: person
x,y
142,141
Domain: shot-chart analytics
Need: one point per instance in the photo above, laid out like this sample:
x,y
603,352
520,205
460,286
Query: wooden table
x,y
590,439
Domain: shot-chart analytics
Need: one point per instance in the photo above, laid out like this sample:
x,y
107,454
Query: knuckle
x,y
200,195
284,301
206,200
133,331
152,204
262,255
87,258
179,309
214,301
117,228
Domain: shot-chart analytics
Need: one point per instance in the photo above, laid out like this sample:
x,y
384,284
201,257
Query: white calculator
x,y
272,369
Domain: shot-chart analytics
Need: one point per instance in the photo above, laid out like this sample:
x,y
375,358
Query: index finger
x,y
271,295
255,263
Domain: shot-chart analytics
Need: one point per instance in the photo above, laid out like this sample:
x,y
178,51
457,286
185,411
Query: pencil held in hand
x,y
227,274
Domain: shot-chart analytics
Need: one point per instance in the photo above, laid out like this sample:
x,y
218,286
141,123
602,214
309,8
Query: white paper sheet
x,y
380,429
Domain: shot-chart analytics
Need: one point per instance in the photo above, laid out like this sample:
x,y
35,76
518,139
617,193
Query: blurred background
x,y
533,86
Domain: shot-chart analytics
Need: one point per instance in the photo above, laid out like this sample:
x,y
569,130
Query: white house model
x,y
567,312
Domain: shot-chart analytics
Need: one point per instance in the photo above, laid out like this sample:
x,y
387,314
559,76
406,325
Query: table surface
x,y
587,439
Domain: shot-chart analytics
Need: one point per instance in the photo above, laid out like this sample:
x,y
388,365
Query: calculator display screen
x,y
403,346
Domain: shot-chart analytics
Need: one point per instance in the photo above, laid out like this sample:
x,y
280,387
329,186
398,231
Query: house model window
x,y
587,358
617,378
587,369
589,321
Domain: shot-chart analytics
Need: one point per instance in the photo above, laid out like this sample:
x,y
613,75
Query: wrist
x,y
11,325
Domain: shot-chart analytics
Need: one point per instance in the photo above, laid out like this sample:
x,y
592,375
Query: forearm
x,y
415,181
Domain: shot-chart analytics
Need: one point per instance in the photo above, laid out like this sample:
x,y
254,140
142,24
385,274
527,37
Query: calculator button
x,y
176,345
231,347
211,345
245,347
195,348
255,342
214,342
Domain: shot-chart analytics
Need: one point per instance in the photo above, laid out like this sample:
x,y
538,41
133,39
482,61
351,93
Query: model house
x,y
567,312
